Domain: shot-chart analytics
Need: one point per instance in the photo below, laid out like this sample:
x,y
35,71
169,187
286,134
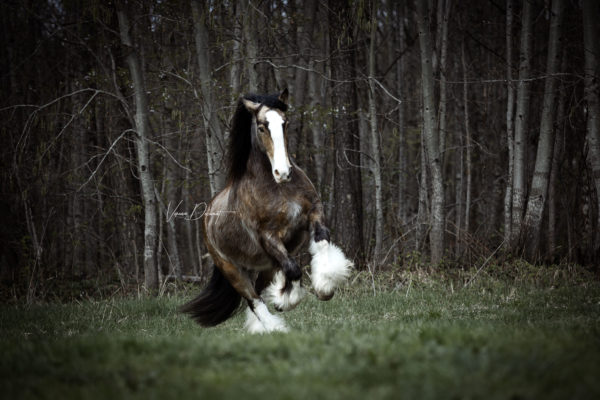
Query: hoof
x,y
325,296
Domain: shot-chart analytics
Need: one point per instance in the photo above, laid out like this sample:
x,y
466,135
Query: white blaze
x,y
280,164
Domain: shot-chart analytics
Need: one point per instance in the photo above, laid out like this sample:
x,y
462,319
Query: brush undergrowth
x,y
398,333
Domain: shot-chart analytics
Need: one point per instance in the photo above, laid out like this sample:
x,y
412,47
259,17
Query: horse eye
x,y
261,128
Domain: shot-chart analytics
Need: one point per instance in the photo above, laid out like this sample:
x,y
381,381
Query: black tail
x,y
217,302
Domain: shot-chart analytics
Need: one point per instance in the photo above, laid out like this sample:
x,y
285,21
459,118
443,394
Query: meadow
x,y
422,337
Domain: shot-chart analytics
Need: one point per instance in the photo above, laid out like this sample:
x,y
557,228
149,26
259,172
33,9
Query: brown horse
x,y
267,211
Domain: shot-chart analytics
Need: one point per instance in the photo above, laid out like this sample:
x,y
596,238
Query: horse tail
x,y
217,302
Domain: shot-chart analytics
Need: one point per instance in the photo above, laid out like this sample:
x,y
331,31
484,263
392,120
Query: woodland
x,y
452,132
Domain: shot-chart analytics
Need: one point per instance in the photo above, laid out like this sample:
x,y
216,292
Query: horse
x,y
253,228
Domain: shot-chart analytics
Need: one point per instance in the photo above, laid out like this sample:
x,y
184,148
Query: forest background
x,y
450,132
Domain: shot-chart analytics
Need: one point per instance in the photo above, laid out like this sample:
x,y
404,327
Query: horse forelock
x,y
271,101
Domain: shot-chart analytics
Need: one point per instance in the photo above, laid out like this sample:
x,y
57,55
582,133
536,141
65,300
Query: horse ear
x,y
283,97
250,105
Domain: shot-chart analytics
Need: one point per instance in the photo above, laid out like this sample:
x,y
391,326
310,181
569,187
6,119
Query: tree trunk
x,y
235,72
532,224
316,99
522,116
374,140
469,176
142,127
215,138
402,150
431,135
304,31
423,204
445,15
173,196
459,194
591,16
250,40
554,171
315,126
348,220
510,107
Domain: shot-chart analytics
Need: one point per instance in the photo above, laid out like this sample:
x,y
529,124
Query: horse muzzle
x,y
282,176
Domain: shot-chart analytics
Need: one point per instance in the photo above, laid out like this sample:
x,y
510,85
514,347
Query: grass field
x,y
495,339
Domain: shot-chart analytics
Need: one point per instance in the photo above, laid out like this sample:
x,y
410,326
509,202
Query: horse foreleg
x,y
329,265
285,291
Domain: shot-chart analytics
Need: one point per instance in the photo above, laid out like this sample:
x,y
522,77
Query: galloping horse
x,y
267,211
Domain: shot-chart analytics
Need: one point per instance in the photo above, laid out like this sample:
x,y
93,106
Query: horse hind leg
x,y
258,317
221,298
217,302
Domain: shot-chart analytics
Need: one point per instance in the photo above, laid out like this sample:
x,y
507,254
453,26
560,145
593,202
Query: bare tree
x,y
142,130
348,212
402,145
532,224
559,137
251,43
235,81
215,136
468,145
521,124
443,13
510,132
431,136
591,15
374,138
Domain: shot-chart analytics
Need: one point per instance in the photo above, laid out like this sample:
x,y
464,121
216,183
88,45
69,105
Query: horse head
x,y
269,130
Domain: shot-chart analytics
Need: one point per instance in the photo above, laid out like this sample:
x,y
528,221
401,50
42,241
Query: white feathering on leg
x,y
284,301
253,324
260,320
329,266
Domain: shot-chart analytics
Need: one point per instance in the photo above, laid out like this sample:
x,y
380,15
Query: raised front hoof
x,y
325,296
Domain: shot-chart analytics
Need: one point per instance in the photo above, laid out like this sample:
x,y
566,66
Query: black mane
x,y
240,138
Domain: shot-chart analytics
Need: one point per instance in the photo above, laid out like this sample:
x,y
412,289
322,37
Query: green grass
x,y
494,340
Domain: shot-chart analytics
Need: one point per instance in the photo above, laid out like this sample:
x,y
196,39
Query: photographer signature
x,y
197,212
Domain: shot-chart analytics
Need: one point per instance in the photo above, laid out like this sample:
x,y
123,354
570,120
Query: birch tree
x,y
431,135
510,132
142,132
521,124
374,138
532,224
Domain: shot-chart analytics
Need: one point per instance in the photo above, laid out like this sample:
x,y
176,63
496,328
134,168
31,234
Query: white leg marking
x,y
253,325
262,321
284,301
329,267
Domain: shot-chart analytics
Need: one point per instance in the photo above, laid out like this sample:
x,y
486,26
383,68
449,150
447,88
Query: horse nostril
x,y
276,172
